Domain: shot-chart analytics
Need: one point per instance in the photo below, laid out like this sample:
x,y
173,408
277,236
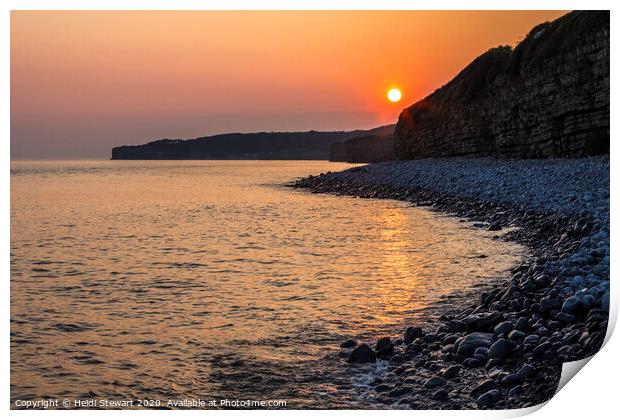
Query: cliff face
x,y
547,97
367,149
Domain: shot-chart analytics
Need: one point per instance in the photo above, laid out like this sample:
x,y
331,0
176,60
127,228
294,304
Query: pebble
x,y
435,381
501,349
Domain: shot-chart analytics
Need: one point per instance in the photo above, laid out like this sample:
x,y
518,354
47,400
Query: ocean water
x,y
212,279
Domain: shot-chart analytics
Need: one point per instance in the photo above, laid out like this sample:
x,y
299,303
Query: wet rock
x,y
501,349
384,347
573,305
348,343
488,399
363,354
412,333
435,381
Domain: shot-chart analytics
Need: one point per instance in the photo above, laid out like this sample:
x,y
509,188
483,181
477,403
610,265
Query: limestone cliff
x,y
549,96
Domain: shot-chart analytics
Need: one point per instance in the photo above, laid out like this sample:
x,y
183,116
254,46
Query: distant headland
x,y
307,145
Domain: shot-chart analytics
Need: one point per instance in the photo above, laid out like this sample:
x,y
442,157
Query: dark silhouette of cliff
x,y
366,149
549,96
274,145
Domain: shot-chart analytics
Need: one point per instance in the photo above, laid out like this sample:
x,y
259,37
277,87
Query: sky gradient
x,y
84,82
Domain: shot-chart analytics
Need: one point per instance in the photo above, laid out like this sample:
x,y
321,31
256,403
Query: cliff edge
x,y
549,96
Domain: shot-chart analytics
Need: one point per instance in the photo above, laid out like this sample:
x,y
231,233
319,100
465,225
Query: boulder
x,y
363,354
412,333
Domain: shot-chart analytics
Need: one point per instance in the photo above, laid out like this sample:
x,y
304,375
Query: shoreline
x,y
507,351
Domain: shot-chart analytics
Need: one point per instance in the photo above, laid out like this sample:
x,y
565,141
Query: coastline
x,y
507,351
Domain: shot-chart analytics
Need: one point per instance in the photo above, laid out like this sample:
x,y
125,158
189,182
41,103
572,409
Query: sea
x,y
165,281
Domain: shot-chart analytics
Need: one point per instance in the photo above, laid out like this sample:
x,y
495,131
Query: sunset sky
x,y
84,82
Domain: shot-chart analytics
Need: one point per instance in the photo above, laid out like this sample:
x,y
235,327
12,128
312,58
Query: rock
x,y
483,387
383,388
503,327
488,399
435,381
541,348
525,371
451,372
398,391
467,345
510,380
429,338
501,349
548,304
456,326
483,321
495,227
412,333
384,347
472,362
493,363
516,391
441,395
521,324
397,360
572,305
363,354
516,335
565,318
348,343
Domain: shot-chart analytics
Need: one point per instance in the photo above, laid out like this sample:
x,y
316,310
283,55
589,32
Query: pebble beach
x,y
507,350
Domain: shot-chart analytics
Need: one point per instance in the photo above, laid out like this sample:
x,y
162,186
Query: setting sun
x,y
394,95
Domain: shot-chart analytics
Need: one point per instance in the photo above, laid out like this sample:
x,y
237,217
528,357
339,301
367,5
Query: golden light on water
x,y
394,95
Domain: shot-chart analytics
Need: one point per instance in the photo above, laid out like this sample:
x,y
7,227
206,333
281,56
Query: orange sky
x,y
83,82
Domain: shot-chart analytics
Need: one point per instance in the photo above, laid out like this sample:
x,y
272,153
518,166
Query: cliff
x,y
367,149
549,96
284,145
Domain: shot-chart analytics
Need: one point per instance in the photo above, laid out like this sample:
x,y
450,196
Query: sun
x,y
394,95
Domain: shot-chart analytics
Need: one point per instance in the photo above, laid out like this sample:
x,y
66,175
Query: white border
x,y
592,395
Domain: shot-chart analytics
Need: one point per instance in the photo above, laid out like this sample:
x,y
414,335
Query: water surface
x,y
210,279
